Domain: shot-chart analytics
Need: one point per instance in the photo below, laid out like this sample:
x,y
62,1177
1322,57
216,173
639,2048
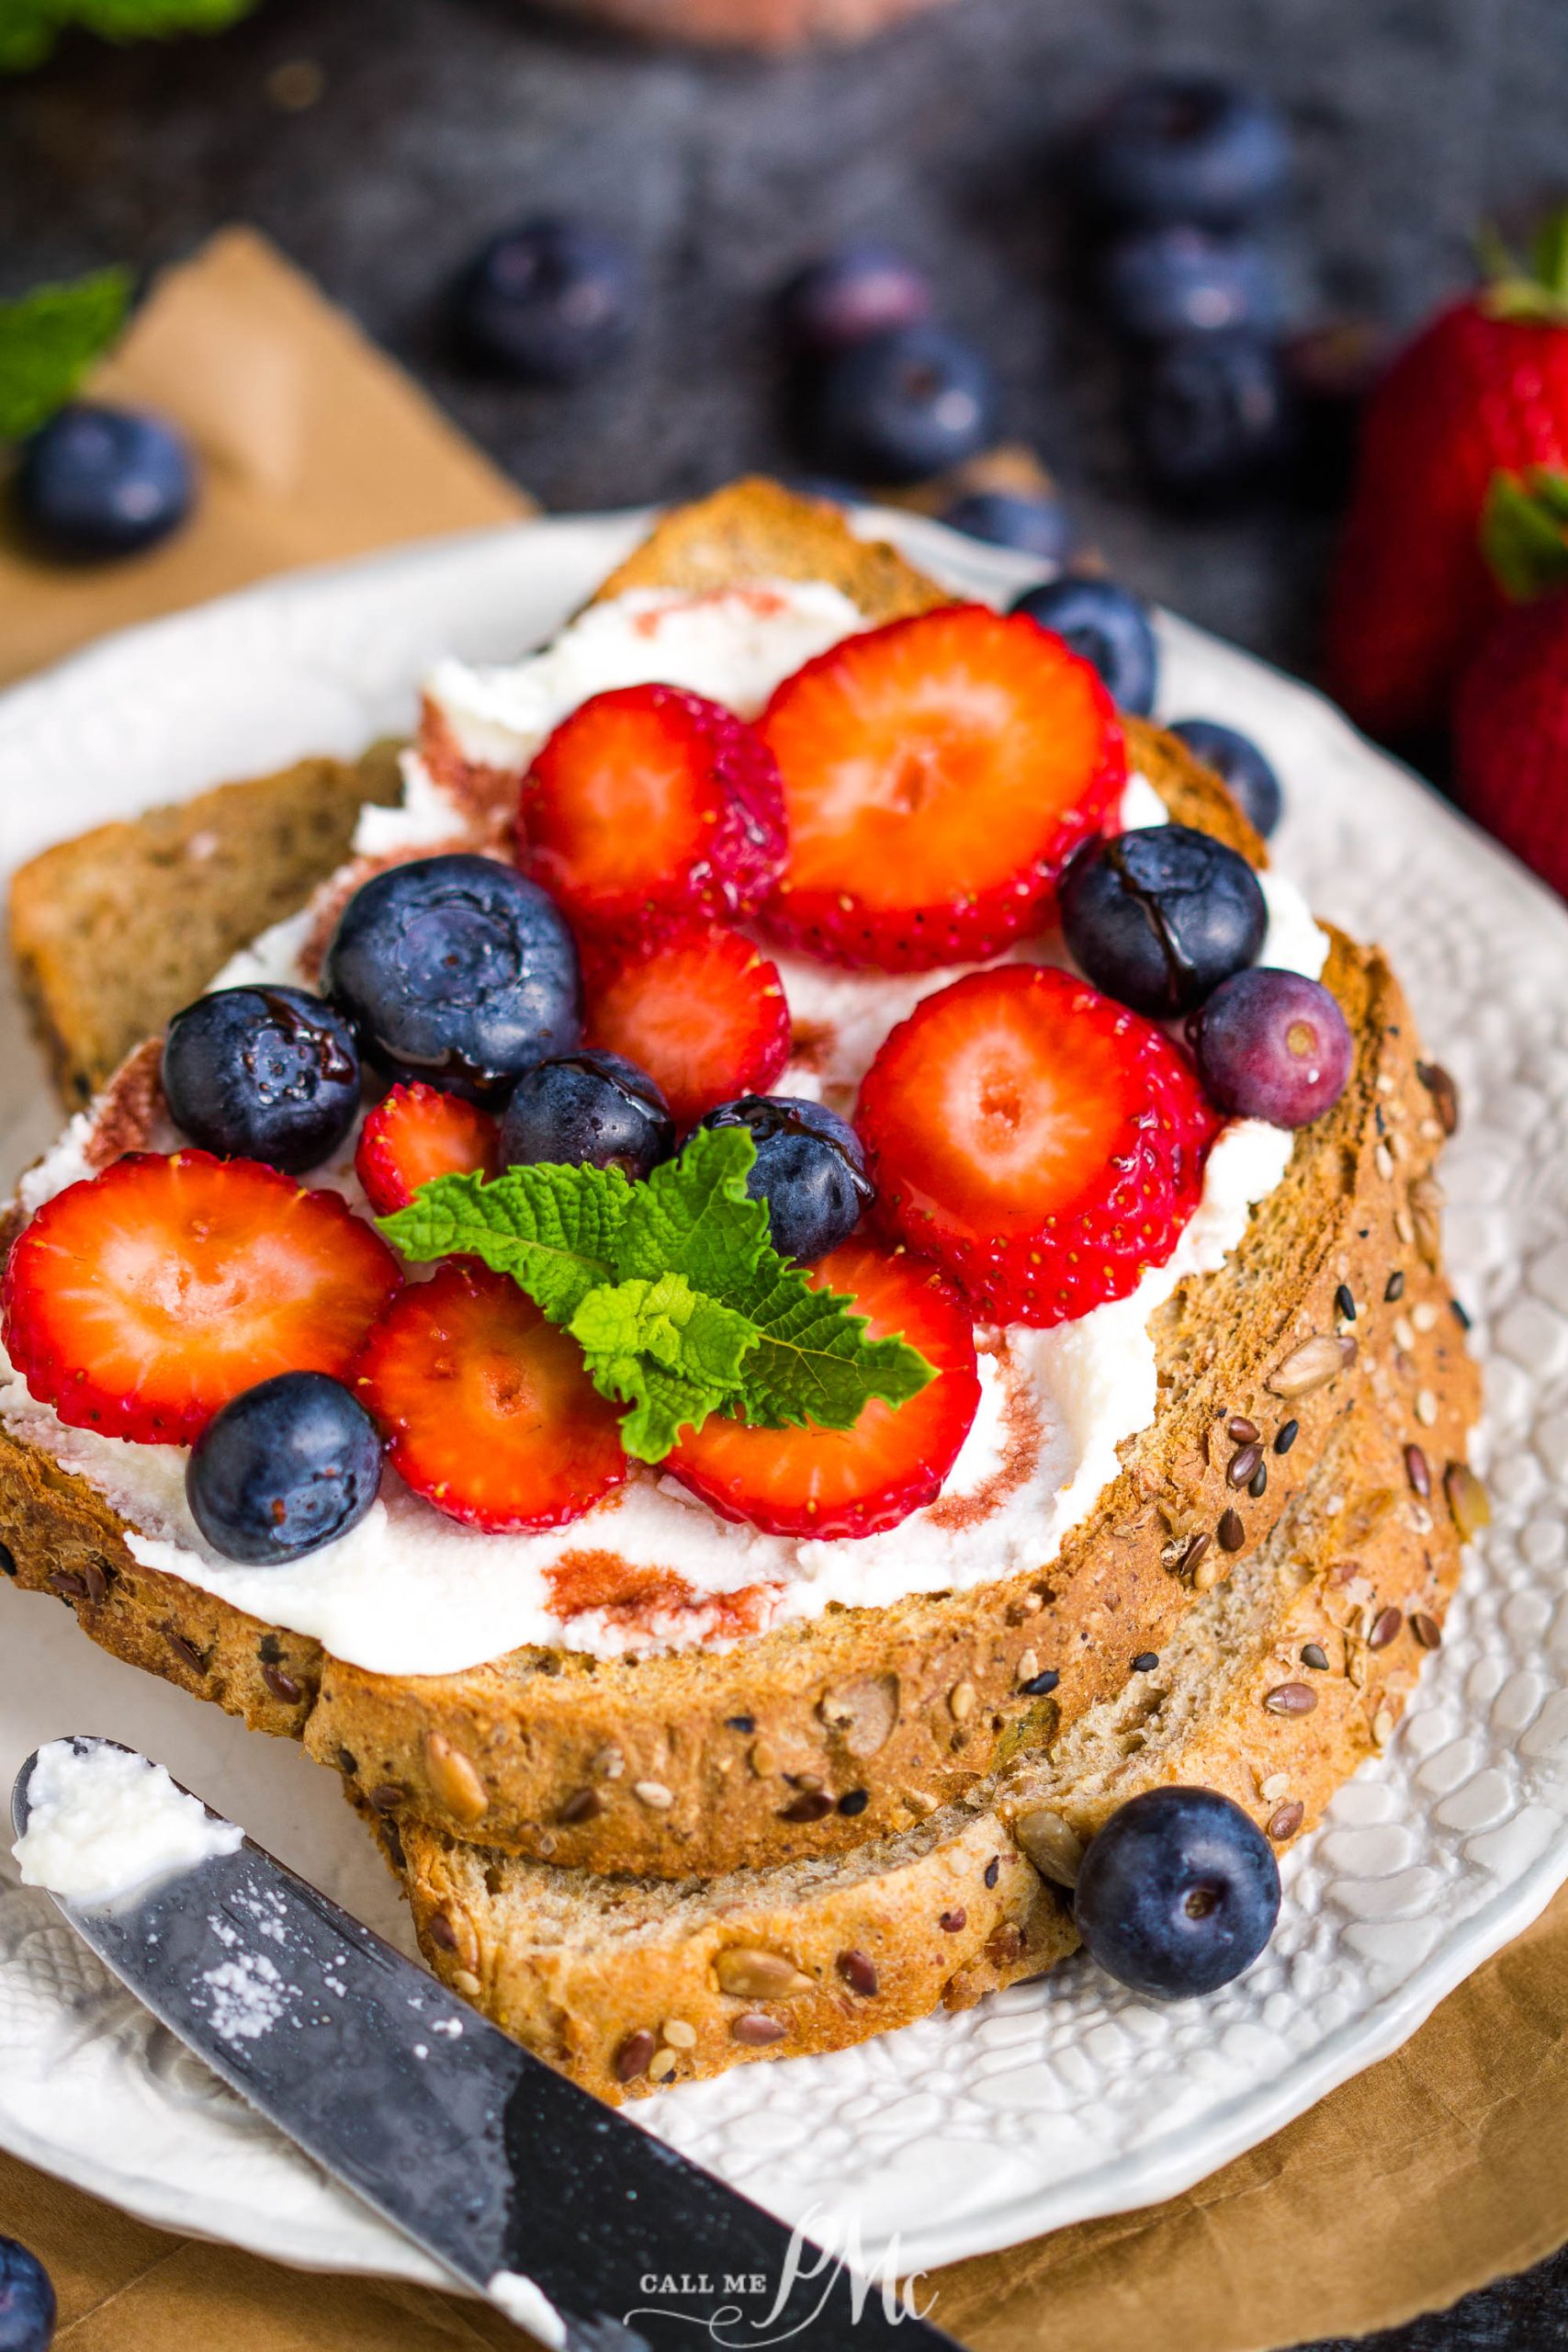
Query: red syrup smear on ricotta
x,y
1023,1434
633,1600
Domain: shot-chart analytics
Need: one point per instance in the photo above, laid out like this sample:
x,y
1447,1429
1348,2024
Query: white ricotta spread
x,y
103,1823
407,1591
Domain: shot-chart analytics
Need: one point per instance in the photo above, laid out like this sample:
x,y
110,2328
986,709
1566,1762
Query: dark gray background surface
x,y
441,121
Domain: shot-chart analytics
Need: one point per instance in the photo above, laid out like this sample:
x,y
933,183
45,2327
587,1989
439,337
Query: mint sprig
x,y
28,28
680,1303
48,341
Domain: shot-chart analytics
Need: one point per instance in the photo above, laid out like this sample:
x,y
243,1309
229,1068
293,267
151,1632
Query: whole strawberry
x,y
1511,708
1484,388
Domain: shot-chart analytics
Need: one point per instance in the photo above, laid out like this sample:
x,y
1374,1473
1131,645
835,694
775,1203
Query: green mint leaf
x,y
550,1227
671,1352
48,341
813,1361
693,1217
29,28
671,1289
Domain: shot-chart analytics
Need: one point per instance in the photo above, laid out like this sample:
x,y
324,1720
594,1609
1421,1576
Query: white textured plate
x,y
1049,2102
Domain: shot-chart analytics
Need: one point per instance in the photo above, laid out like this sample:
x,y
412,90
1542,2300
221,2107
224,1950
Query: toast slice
x,y
550,1754
630,1984
113,931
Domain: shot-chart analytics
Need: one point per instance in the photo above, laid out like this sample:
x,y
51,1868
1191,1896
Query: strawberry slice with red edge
x,y
416,1133
857,1481
486,1409
1043,1144
137,1303
937,774
650,809
704,1014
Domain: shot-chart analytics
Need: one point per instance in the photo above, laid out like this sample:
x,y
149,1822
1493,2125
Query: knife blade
x,y
584,2228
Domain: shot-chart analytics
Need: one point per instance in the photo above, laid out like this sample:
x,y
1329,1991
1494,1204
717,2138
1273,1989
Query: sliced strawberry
x,y
487,1409
140,1301
1043,1144
416,1133
855,1481
650,809
937,774
704,1014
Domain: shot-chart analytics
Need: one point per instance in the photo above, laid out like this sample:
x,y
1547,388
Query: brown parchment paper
x,y
1443,2168
312,446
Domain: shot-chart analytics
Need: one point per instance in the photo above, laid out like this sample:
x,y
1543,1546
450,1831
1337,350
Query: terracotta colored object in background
x,y
750,24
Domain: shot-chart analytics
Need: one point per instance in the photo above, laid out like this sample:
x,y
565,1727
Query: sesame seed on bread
x,y
816,1739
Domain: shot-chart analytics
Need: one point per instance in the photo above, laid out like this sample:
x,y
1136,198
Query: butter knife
x,y
584,2228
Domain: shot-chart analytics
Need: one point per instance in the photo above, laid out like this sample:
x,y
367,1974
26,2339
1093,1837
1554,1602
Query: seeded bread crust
x,y
113,931
708,1761
628,1983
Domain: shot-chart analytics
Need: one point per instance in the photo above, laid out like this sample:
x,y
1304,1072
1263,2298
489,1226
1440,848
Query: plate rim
x,y
1163,2166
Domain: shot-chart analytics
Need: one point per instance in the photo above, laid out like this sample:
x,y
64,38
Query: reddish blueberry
x,y
858,291
1273,1046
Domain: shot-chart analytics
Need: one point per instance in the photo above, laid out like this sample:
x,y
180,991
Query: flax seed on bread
x,y
898,1710
629,1984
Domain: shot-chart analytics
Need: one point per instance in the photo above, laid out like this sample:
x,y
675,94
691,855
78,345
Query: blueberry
x,y
549,300
26,2300
1185,148
1177,1892
909,402
266,1074
810,1170
1213,415
284,1468
860,290
1240,765
1108,627
1158,918
1037,525
103,481
595,1110
1273,1046
458,971
1162,282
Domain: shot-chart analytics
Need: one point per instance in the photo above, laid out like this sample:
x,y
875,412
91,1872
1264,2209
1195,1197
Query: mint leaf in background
x,y
693,1215
813,1361
550,1227
671,1352
48,341
28,28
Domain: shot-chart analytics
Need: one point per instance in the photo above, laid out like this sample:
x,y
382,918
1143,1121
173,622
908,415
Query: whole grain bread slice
x,y
1275,1684
113,931
811,1739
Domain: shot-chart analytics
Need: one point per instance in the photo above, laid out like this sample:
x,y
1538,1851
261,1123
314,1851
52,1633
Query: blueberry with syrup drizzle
x,y
809,1169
